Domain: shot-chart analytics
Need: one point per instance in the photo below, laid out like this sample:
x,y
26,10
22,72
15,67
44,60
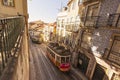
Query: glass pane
x,y
62,59
8,2
58,58
116,46
67,59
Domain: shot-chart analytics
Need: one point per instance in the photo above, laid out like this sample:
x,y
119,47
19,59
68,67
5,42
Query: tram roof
x,y
60,52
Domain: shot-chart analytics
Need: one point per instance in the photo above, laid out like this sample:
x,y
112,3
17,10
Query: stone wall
x,y
101,40
97,40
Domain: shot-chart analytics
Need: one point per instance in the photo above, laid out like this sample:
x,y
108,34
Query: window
x,y
80,1
8,2
93,10
114,54
73,5
67,59
58,58
62,59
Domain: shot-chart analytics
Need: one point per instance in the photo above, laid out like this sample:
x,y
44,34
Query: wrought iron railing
x,y
85,1
90,21
88,1
102,21
11,30
114,20
72,26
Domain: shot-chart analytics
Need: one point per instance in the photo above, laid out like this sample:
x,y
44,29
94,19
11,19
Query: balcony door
x,y
92,14
83,62
99,73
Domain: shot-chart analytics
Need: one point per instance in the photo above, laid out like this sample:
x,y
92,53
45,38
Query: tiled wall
x,y
107,7
100,40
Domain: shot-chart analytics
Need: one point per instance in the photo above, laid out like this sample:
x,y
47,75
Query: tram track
x,y
36,66
61,77
43,68
71,73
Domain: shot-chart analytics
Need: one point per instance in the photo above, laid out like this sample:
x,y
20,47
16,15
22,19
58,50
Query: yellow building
x,y
9,8
14,19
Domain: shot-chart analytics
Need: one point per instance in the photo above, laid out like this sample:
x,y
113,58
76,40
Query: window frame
x,y
110,51
7,3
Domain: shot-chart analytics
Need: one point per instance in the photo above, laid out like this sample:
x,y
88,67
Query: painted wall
x,y
20,7
101,40
73,11
21,70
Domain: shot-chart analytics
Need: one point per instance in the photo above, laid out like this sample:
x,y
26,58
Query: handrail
x,y
13,17
11,30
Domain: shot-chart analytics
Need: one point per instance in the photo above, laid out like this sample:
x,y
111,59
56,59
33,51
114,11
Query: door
x,y
98,73
83,62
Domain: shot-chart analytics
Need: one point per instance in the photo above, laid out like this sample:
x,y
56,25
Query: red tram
x,y
59,56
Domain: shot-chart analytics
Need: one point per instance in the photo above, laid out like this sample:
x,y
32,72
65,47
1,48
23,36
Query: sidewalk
x,y
78,73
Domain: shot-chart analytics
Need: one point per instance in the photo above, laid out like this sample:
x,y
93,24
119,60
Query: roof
x,y
36,22
62,14
53,24
69,2
60,50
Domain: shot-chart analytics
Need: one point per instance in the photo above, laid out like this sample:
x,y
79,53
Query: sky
x,y
45,10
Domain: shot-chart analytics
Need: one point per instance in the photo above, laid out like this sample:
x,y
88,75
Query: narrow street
x,y
41,67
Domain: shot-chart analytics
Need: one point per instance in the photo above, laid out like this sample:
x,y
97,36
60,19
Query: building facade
x,y
100,22
68,21
95,43
9,8
13,13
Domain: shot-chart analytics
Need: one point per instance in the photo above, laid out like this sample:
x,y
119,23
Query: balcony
x,y
11,36
72,28
85,2
68,27
90,21
102,21
114,20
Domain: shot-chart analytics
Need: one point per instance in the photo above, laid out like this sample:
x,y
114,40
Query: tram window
x,y
53,55
58,58
67,59
62,59
49,51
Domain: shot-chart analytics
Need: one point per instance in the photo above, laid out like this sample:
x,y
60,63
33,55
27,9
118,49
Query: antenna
x,y
61,5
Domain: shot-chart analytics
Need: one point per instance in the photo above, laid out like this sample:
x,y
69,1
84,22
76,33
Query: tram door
x,y
83,62
99,73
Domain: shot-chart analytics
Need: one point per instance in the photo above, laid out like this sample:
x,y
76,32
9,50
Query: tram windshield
x,y
65,59
58,58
